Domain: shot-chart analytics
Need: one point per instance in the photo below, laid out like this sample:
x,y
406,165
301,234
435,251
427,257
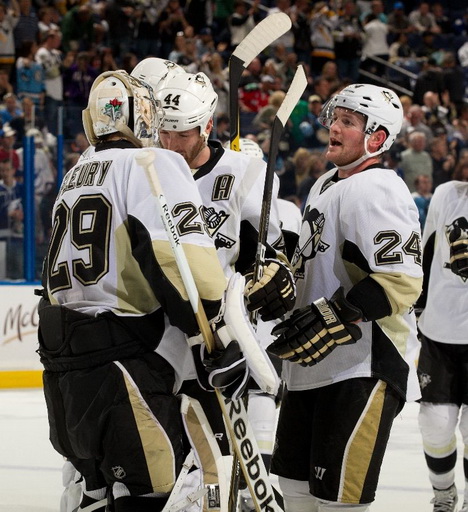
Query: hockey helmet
x,y
189,101
119,102
156,72
249,147
381,107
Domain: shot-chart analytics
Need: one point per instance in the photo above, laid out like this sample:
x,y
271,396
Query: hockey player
x,y
109,278
231,185
350,347
443,361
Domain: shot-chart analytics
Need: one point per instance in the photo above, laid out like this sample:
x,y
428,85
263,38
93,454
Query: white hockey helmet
x,y
156,72
122,103
189,101
381,107
249,147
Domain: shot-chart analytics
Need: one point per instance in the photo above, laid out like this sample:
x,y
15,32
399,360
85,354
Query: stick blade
x,y
295,91
269,29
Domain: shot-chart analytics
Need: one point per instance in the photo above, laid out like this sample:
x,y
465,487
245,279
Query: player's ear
x,y
376,140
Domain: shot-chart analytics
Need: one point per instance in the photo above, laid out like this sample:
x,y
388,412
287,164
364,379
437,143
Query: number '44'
x,y
172,99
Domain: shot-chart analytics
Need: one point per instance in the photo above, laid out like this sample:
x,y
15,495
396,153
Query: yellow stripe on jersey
x,y
401,289
154,440
134,293
360,447
204,265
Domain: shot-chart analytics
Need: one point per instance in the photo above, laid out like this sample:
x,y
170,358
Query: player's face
x,y
188,144
346,142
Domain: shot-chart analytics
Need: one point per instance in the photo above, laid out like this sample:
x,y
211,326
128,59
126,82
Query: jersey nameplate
x,y
86,175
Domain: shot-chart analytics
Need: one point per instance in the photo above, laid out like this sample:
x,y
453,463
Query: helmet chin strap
x,y
361,159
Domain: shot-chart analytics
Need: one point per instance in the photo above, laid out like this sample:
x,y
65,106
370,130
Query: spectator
x,y
299,14
80,143
77,82
44,181
77,29
330,73
30,75
146,33
377,9
265,116
50,57
178,48
11,220
461,172
120,19
252,97
322,24
199,14
296,169
398,22
5,84
30,118
221,128
423,19
47,16
415,123
223,9
422,196
8,20
204,43
242,20
443,161
314,135
435,114
430,79
27,27
317,167
427,50
213,67
322,88
375,45
441,19
7,151
10,109
171,22
454,81
348,36
286,39
415,160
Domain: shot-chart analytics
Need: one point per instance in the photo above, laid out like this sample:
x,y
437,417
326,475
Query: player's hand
x,y
458,240
224,369
275,293
311,333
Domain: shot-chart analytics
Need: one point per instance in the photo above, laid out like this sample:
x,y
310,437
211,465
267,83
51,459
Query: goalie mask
x,y
189,101
380,106
156,72
121,103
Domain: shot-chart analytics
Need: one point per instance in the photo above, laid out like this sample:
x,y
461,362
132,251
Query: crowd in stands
x,y
51,52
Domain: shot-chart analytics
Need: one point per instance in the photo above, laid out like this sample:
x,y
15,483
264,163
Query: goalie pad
x,y
208,454
238,327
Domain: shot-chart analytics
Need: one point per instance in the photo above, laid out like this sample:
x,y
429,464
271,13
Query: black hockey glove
x,y
224,369
458,240
275,293
311,333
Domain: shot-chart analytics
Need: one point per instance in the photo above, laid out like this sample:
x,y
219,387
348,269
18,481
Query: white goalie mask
x,y
249,147
381,107
156,72
119,102
189,101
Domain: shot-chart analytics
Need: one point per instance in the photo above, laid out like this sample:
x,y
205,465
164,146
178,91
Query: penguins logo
x,y
462,224
310,240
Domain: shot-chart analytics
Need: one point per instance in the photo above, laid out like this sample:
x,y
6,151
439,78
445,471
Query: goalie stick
x,y
297,87
261,36
234,412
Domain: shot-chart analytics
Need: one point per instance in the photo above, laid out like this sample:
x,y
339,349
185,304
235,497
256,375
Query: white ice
x,y
30,469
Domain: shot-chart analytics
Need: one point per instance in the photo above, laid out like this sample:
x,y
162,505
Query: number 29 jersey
x,y
362,231
109,250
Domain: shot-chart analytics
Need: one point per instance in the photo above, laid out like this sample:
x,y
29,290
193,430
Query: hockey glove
x,y
311,333
458,240
275,293
224,368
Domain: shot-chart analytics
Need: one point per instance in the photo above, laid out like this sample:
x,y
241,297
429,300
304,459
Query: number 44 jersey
x,y
109,250
362,233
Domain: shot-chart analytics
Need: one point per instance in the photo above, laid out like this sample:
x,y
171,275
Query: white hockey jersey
x,y
231,186
109,251
445,317
365,226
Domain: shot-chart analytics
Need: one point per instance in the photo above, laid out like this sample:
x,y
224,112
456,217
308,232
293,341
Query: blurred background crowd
x,y
51,52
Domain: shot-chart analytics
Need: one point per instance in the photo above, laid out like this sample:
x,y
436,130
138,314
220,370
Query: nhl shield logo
x,y
119,472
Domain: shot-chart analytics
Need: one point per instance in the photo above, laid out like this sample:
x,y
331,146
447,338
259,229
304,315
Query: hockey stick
x,y
297,87
261,36
234,412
